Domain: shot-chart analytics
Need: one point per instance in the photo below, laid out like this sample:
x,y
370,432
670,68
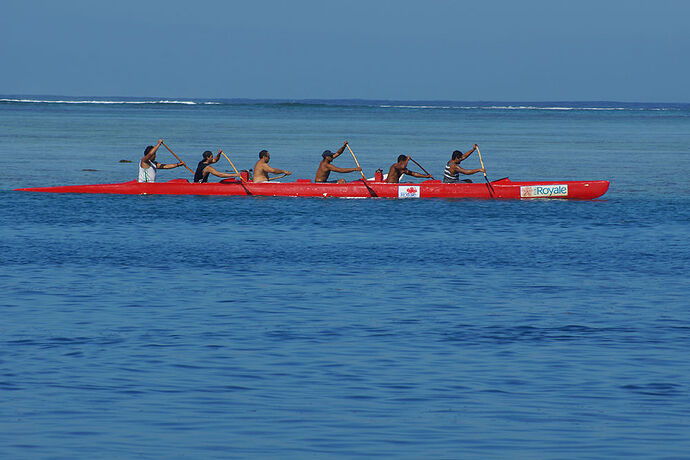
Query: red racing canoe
x,y
501,189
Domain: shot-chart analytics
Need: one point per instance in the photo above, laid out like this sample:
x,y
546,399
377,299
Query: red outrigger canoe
x,y
501,189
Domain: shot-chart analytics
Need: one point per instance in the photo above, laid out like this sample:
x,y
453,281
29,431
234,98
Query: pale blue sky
x,y
531,50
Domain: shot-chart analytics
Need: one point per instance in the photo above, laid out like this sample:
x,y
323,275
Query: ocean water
x,y
224,327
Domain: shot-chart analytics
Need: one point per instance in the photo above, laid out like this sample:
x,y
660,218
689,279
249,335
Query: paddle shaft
x,y
481,162
485,178
357,162
427,172
178,158
233,166
277,177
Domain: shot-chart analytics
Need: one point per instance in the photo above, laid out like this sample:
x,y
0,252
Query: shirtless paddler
x,y
325,167
398,169
262,170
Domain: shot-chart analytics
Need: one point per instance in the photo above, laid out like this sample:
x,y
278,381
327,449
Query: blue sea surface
x,y
247,327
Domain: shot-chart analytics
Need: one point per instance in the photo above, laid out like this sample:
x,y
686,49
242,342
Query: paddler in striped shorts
x,y
451,174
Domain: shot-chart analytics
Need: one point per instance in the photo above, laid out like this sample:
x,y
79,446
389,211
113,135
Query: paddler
x,y
204,168
325,167
453,170
261,168
398,169
148,164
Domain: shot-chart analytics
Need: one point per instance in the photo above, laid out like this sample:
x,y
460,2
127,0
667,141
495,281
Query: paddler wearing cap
x,y
325,167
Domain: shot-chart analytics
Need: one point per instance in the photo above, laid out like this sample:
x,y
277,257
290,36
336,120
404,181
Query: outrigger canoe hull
x,y
501,189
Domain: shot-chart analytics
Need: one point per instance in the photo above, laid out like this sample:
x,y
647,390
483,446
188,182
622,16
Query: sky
x,y
481,50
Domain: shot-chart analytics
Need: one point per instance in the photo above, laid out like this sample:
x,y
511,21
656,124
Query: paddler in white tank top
x,y
148,164
453,170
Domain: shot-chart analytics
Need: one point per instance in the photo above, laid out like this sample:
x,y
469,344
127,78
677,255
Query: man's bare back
x,y
398,169
394,173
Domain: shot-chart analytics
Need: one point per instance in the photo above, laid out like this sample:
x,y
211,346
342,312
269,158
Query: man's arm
x,y
465,155
416,174
217,173
151,153
342,170
340,151
276,171
458,169
168,166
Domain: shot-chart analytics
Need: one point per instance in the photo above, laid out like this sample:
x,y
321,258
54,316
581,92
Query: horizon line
x,y
350,99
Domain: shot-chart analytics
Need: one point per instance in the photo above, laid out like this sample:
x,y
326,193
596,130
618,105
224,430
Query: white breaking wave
x,y
517,107
92,101
388,106
532,107
426,107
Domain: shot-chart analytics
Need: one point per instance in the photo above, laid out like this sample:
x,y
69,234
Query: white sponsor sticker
x,y
408,191
543,191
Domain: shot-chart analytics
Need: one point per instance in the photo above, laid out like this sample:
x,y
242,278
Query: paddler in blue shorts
x,y
148,164
325,167
452,171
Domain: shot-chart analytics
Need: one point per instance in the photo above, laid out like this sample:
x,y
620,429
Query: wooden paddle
x,y
226,157
485,178
421,167
357,162
278,177
178,158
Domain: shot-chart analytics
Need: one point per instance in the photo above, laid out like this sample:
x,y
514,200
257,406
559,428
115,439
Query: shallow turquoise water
x,y
216,327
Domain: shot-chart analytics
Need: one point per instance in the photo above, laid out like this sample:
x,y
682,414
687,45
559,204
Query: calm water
x,y
220,327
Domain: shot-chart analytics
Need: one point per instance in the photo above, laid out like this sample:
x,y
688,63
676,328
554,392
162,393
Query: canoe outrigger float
x,y
499,189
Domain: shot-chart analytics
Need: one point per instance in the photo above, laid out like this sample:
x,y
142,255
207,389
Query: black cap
x,y
327,153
